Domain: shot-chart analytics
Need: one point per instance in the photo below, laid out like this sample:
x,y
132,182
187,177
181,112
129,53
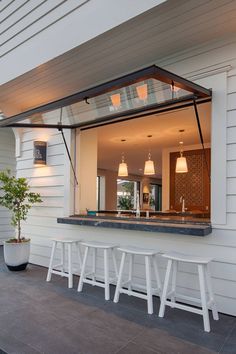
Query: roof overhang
x,y
192,93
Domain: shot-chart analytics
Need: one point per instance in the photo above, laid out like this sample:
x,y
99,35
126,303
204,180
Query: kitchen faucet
x,y
182,201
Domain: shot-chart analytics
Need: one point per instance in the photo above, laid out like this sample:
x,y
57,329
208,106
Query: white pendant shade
x,y
149,168
181,165
123,169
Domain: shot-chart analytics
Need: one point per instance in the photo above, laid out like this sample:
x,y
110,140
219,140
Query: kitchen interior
x,y
150,167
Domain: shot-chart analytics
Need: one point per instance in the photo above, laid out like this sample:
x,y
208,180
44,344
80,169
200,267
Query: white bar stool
x,y
62,272
150,258
94,246
204,281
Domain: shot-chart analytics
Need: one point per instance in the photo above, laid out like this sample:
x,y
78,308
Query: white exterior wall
x,y
53,182
7,161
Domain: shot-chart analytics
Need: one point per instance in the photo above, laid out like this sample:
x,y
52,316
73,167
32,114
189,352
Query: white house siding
x,y
52,182
7,161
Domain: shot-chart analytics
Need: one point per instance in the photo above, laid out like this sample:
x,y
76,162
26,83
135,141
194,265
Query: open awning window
x,y
149,90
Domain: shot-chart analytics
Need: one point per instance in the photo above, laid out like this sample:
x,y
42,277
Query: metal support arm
x,y
68,152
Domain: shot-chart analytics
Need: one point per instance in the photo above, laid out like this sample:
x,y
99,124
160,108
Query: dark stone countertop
x,y
183,227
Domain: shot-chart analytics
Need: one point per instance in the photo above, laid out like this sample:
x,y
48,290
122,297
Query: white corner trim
x,y
218,83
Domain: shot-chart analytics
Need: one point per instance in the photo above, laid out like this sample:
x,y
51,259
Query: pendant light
x,y
149,168
123,168
181,162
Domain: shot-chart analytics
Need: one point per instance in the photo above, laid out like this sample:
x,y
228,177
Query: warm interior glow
x,y
142,92
149,168
115,99
123,169
181,165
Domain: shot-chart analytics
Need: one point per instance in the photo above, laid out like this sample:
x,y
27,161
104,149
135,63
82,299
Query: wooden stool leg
x,y
149,285
211,294
70,281
49,275
79,255
203,298
94,264
131,264
173,282
119,281
106,275
165,289
63,258
157,275
114,262
81,279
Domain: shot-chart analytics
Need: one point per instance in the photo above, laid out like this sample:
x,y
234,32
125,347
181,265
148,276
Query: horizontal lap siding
x,y
7,161
49,181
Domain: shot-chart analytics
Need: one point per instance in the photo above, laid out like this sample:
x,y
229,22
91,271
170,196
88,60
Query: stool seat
x,y
64,240
147,291
138,251
98,244
187,258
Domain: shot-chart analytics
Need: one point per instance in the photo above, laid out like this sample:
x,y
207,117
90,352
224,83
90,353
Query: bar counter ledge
x,y
183,225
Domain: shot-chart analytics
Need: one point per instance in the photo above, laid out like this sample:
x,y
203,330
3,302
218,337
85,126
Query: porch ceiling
x,y
169,28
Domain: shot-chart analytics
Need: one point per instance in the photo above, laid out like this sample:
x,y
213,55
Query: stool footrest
x,y
58,272
184,307
93,282
57,265
184,297
133,293
155,291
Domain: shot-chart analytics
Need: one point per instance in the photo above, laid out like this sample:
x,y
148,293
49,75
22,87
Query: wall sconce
x,y
116,101
142,92
40,153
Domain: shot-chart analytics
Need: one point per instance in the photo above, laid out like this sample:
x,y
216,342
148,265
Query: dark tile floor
x,y
39,317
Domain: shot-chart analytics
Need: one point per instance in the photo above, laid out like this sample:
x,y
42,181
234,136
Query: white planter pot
x,y
16,255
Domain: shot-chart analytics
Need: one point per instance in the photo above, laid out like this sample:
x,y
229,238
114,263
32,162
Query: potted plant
x,y
15,195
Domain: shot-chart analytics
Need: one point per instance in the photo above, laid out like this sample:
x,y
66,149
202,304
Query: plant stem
x,y
19,230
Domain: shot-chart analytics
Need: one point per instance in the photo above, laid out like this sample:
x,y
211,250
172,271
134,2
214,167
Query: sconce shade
x,y
181,165
149,168
115,99
123,169
40,153
142,92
